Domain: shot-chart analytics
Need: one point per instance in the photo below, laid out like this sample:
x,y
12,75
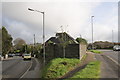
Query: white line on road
x,y
26,71
113,60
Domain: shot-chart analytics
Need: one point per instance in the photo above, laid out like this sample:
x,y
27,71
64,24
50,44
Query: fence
x,y
71,51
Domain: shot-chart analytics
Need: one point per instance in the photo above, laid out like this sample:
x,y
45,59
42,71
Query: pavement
x,y
34,71
3,59
89,58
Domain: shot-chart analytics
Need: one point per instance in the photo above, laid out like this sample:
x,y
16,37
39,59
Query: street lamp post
x,y
43,31
112,36
92,30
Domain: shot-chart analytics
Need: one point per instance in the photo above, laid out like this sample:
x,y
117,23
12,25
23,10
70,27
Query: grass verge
x,y
59,67
96,51
90,72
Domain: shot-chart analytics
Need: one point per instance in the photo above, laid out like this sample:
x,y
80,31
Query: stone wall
x,y
82,50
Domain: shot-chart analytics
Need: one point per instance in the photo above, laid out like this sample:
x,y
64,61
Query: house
x,y
63,45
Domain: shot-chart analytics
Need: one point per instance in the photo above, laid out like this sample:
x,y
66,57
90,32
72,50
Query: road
x,y
16,67
109,59
112,54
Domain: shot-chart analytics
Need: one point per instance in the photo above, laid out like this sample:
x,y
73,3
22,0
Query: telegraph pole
x,y
34,44
34,40
80,36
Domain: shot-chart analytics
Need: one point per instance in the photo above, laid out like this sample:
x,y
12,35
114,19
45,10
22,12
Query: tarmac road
x,y
18,68
112,54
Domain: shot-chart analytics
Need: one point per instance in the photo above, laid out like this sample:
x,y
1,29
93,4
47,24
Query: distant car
x,y
18,54
27,56
11,55
116,48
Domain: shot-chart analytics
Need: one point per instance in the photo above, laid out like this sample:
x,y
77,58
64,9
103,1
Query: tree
x,y
81,40
19,41
103,45
20,44
6,41
34,49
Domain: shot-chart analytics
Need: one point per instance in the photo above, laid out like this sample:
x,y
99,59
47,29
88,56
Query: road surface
x,y
112,54
19,68
109,59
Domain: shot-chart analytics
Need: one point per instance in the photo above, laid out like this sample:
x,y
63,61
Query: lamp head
x,y
30,9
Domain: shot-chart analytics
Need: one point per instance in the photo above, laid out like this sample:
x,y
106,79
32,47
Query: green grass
x,y
96,51
92,71
59,67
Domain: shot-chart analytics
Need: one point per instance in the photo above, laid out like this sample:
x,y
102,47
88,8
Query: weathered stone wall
x,y
82,50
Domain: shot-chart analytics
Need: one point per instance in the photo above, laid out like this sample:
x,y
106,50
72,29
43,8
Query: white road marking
x,y
26,71
113,60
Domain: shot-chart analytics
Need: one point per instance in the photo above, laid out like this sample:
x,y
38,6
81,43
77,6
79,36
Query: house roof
x,y
60,35
64,33
53,39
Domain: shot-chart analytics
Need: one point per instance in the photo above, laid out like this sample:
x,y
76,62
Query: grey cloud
x,y
22,23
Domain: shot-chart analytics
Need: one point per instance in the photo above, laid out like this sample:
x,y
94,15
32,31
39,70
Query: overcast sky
x,y
74,16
